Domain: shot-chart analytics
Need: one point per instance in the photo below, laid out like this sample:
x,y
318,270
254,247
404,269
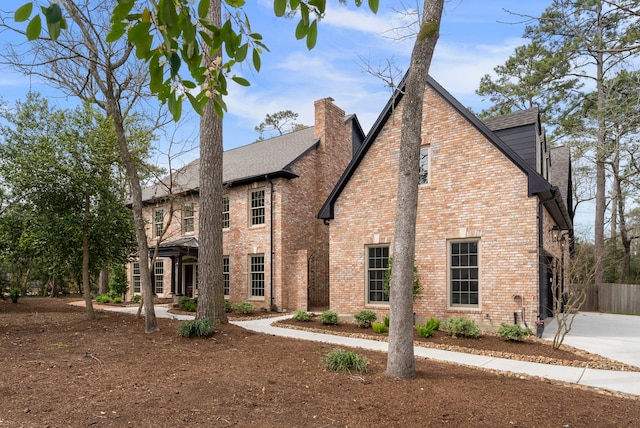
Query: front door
x,y
189,272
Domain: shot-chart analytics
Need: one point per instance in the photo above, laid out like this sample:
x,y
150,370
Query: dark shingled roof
x,y
560,174
272,157
512,120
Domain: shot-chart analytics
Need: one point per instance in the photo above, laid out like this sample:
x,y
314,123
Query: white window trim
x,y
464,307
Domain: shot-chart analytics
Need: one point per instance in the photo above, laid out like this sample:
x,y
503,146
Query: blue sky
x,y
475,37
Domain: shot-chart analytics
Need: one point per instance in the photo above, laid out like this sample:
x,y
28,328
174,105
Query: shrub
x,y
428,328
365,318
340,360
136,298
188,304
514,332
385,320
227,306
241,308
329,317
118,282
14,294
302,315
195,328
103,298
417,288
461,326
379,327
117,299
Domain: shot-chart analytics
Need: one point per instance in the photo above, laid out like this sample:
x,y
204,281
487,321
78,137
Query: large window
x,y
257,207
188,217
225,212
377,264
136,277
158,222
424,165
225,275
463,276
256,270
158,273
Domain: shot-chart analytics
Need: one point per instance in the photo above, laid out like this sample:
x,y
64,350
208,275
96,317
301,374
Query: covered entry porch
x,y
183,253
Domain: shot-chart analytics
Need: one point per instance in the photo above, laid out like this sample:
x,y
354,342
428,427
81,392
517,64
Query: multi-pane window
x,y
225,212
256,270
158,222
158,274
464,282
377,264
225,275
188,219
136,277
257,207
424,165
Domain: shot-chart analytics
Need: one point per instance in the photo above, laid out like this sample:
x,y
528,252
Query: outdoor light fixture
x,y
555,233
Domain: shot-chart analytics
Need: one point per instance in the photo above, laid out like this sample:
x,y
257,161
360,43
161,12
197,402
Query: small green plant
x,y
14,294
195,328
242,308
117,299
385,320
461,326
188,304
227,306
428,328
136,298
379,327
301,315
514,332
329,317
103,298
340,360
365,318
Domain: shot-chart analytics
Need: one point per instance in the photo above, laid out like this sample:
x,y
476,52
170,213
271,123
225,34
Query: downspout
x,y
541,265
272,305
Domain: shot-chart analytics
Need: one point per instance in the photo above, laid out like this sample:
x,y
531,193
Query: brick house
x,y
275,248
492,229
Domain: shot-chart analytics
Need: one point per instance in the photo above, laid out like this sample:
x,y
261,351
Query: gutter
x,y
272,304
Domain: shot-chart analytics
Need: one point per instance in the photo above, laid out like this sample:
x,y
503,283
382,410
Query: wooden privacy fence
x,y
613,298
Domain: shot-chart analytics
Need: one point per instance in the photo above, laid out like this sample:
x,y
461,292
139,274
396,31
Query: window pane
x,y
257,207
225,275
464,285
159,277
377,263
257,275
424,165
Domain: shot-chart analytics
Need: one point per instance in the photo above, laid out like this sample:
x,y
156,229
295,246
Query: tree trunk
x,y
401,361
86,287
210,279
103,281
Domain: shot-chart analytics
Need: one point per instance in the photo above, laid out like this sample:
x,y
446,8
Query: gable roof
x,y
267,158
537,185
513,120
561,174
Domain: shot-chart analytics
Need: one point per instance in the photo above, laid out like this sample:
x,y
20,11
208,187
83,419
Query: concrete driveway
x,y
613,336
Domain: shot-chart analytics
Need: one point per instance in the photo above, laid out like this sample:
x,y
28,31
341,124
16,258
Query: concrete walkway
x,y
612,347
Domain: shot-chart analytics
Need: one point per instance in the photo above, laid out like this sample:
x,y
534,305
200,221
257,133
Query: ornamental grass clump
x,y
428,328
339,360
379,327
514,332
461,326
196,328
241,308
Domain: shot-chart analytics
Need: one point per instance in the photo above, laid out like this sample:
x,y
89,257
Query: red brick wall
x,y
474,192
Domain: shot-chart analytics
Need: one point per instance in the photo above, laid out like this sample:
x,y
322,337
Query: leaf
x,y
203,9
117,31
53,14
174,64
24,12
235,3
373,5
34,28
241,81
139,31
312,35
194,103
279,7
121,11
301,30
189,84
257,63
175,106
241,52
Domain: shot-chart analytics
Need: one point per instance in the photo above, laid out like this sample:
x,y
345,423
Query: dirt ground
x,y
60,370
